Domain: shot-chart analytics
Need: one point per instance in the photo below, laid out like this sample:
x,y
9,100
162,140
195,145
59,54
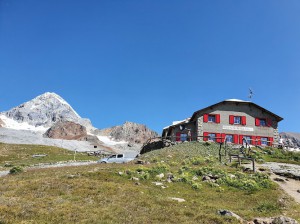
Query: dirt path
x,y
289,185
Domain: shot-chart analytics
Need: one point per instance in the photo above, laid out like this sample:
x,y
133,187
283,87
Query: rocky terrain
x,y
131,132
49,120
69,130
291,140
13,136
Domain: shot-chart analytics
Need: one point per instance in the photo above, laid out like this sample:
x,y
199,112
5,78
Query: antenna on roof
x,y
251,93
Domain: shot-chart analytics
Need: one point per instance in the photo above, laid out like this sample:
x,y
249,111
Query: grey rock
x,y
160,176
170,177
274,220
224,212
206,178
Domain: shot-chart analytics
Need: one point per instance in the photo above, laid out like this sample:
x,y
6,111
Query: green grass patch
x,y
22,155
281,156
111,193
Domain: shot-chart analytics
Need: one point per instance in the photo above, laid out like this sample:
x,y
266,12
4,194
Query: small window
x,y
264,141
229,138
247,139
212,118
120,155
113,156
212,137
262,122
183,137
237,120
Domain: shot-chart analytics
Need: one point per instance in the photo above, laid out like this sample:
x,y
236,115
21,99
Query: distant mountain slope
x,y
291,139
44,110
130,132
48,119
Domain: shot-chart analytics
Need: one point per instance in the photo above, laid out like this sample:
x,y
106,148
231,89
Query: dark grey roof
x,y
237,101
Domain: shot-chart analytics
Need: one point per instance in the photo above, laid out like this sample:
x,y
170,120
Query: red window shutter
x,y
243,120
231,119
223,137
269,122
258,140
270,143
218,135
218,118
253,140
178,136
241,139
236,139
257,122
205,134
205,118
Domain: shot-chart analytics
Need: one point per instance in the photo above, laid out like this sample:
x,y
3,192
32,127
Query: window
x,y
247,139
229,138
264,141
211,137
211,118
263,122
120,156
183,137
238,120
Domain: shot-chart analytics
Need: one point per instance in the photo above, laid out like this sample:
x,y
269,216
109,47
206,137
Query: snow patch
x,y
12,124
108,141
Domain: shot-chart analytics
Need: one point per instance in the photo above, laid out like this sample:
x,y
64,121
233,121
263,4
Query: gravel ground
x,y
284,169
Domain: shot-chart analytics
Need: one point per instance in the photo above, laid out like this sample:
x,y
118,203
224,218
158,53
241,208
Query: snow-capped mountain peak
x,y
52,98
45,110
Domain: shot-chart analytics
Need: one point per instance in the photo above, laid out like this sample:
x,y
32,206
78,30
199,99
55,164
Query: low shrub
x,y
15,170
267,207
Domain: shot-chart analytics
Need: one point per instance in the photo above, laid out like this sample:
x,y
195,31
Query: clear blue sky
x,y
151,62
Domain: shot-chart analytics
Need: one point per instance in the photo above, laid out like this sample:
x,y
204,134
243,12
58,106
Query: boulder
x,y
230,213
178,199
160,176
274,220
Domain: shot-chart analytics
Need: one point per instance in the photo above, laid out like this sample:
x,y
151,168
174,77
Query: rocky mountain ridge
x,y
49,119
131,132
290,139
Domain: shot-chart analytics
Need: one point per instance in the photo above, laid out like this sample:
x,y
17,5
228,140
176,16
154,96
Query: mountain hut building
x,y
234,121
